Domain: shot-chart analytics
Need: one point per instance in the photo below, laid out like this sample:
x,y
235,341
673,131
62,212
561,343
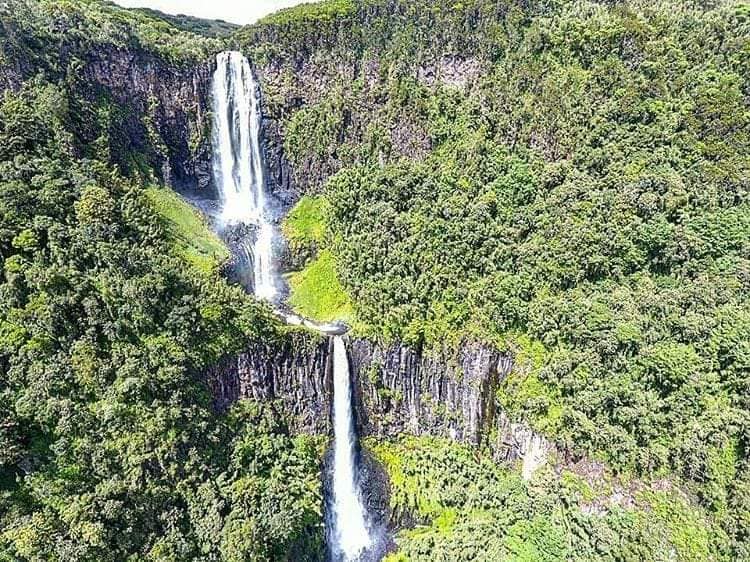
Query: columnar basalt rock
x,y
295,371
397,390
449,394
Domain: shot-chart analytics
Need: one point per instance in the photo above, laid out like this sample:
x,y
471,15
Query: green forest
x,y
566,181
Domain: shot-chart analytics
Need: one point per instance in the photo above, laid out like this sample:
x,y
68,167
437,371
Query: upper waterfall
x,y
238,163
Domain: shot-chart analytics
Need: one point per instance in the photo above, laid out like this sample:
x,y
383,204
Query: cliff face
x,y
295,371
165,111
137,108
167,117
401,390
345,89
397,390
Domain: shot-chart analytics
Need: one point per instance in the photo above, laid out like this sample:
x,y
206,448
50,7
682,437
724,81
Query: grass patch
x,y
306,223
189,234
684,529
317,293
523,394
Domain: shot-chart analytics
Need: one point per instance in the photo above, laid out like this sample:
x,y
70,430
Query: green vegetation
x,y
209,28
469,508
525,389
568,180
310,13
88,23
110,62
191,237
305,229
317,293
306,223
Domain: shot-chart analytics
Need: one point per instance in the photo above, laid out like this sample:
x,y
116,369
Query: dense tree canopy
x,y
109,445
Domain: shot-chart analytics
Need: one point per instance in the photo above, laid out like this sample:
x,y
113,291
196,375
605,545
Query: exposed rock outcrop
x,y
279,175
397,390
295,370
449,394
152,111
165,115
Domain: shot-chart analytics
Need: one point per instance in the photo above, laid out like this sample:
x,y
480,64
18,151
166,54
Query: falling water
x,y
350,534
238,165
238,171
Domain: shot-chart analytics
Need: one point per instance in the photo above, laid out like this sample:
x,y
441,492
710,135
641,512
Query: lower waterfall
x,y
349,536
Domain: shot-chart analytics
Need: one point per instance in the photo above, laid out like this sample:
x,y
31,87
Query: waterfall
x,y
238,165
350,537
239,175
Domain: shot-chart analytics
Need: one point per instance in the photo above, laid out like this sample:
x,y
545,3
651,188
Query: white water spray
x,y
350,532
237,162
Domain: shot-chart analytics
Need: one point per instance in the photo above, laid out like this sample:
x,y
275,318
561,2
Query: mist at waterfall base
x,y
239,174
247,223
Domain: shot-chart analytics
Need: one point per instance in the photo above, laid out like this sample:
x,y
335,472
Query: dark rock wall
x,y
158,110
279,175
166,111
295,371
397,390
346,71
450,394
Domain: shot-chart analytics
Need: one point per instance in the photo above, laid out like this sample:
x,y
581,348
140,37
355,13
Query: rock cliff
x,y
149,113
397,390
165,110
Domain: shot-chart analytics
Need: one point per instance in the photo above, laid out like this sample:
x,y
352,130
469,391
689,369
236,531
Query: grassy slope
x,y
317,292
188,231
306,223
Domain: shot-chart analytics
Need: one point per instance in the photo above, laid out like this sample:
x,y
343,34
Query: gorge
x,y
469,278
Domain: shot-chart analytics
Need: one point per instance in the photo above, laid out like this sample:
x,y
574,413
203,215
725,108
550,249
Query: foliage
x,y
305,229
82,25
567,178
572,174
306,222
468,508
109,62
310,13
199,26
110,447
316,292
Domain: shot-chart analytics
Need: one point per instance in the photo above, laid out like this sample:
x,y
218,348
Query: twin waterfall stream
x,y
238,169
